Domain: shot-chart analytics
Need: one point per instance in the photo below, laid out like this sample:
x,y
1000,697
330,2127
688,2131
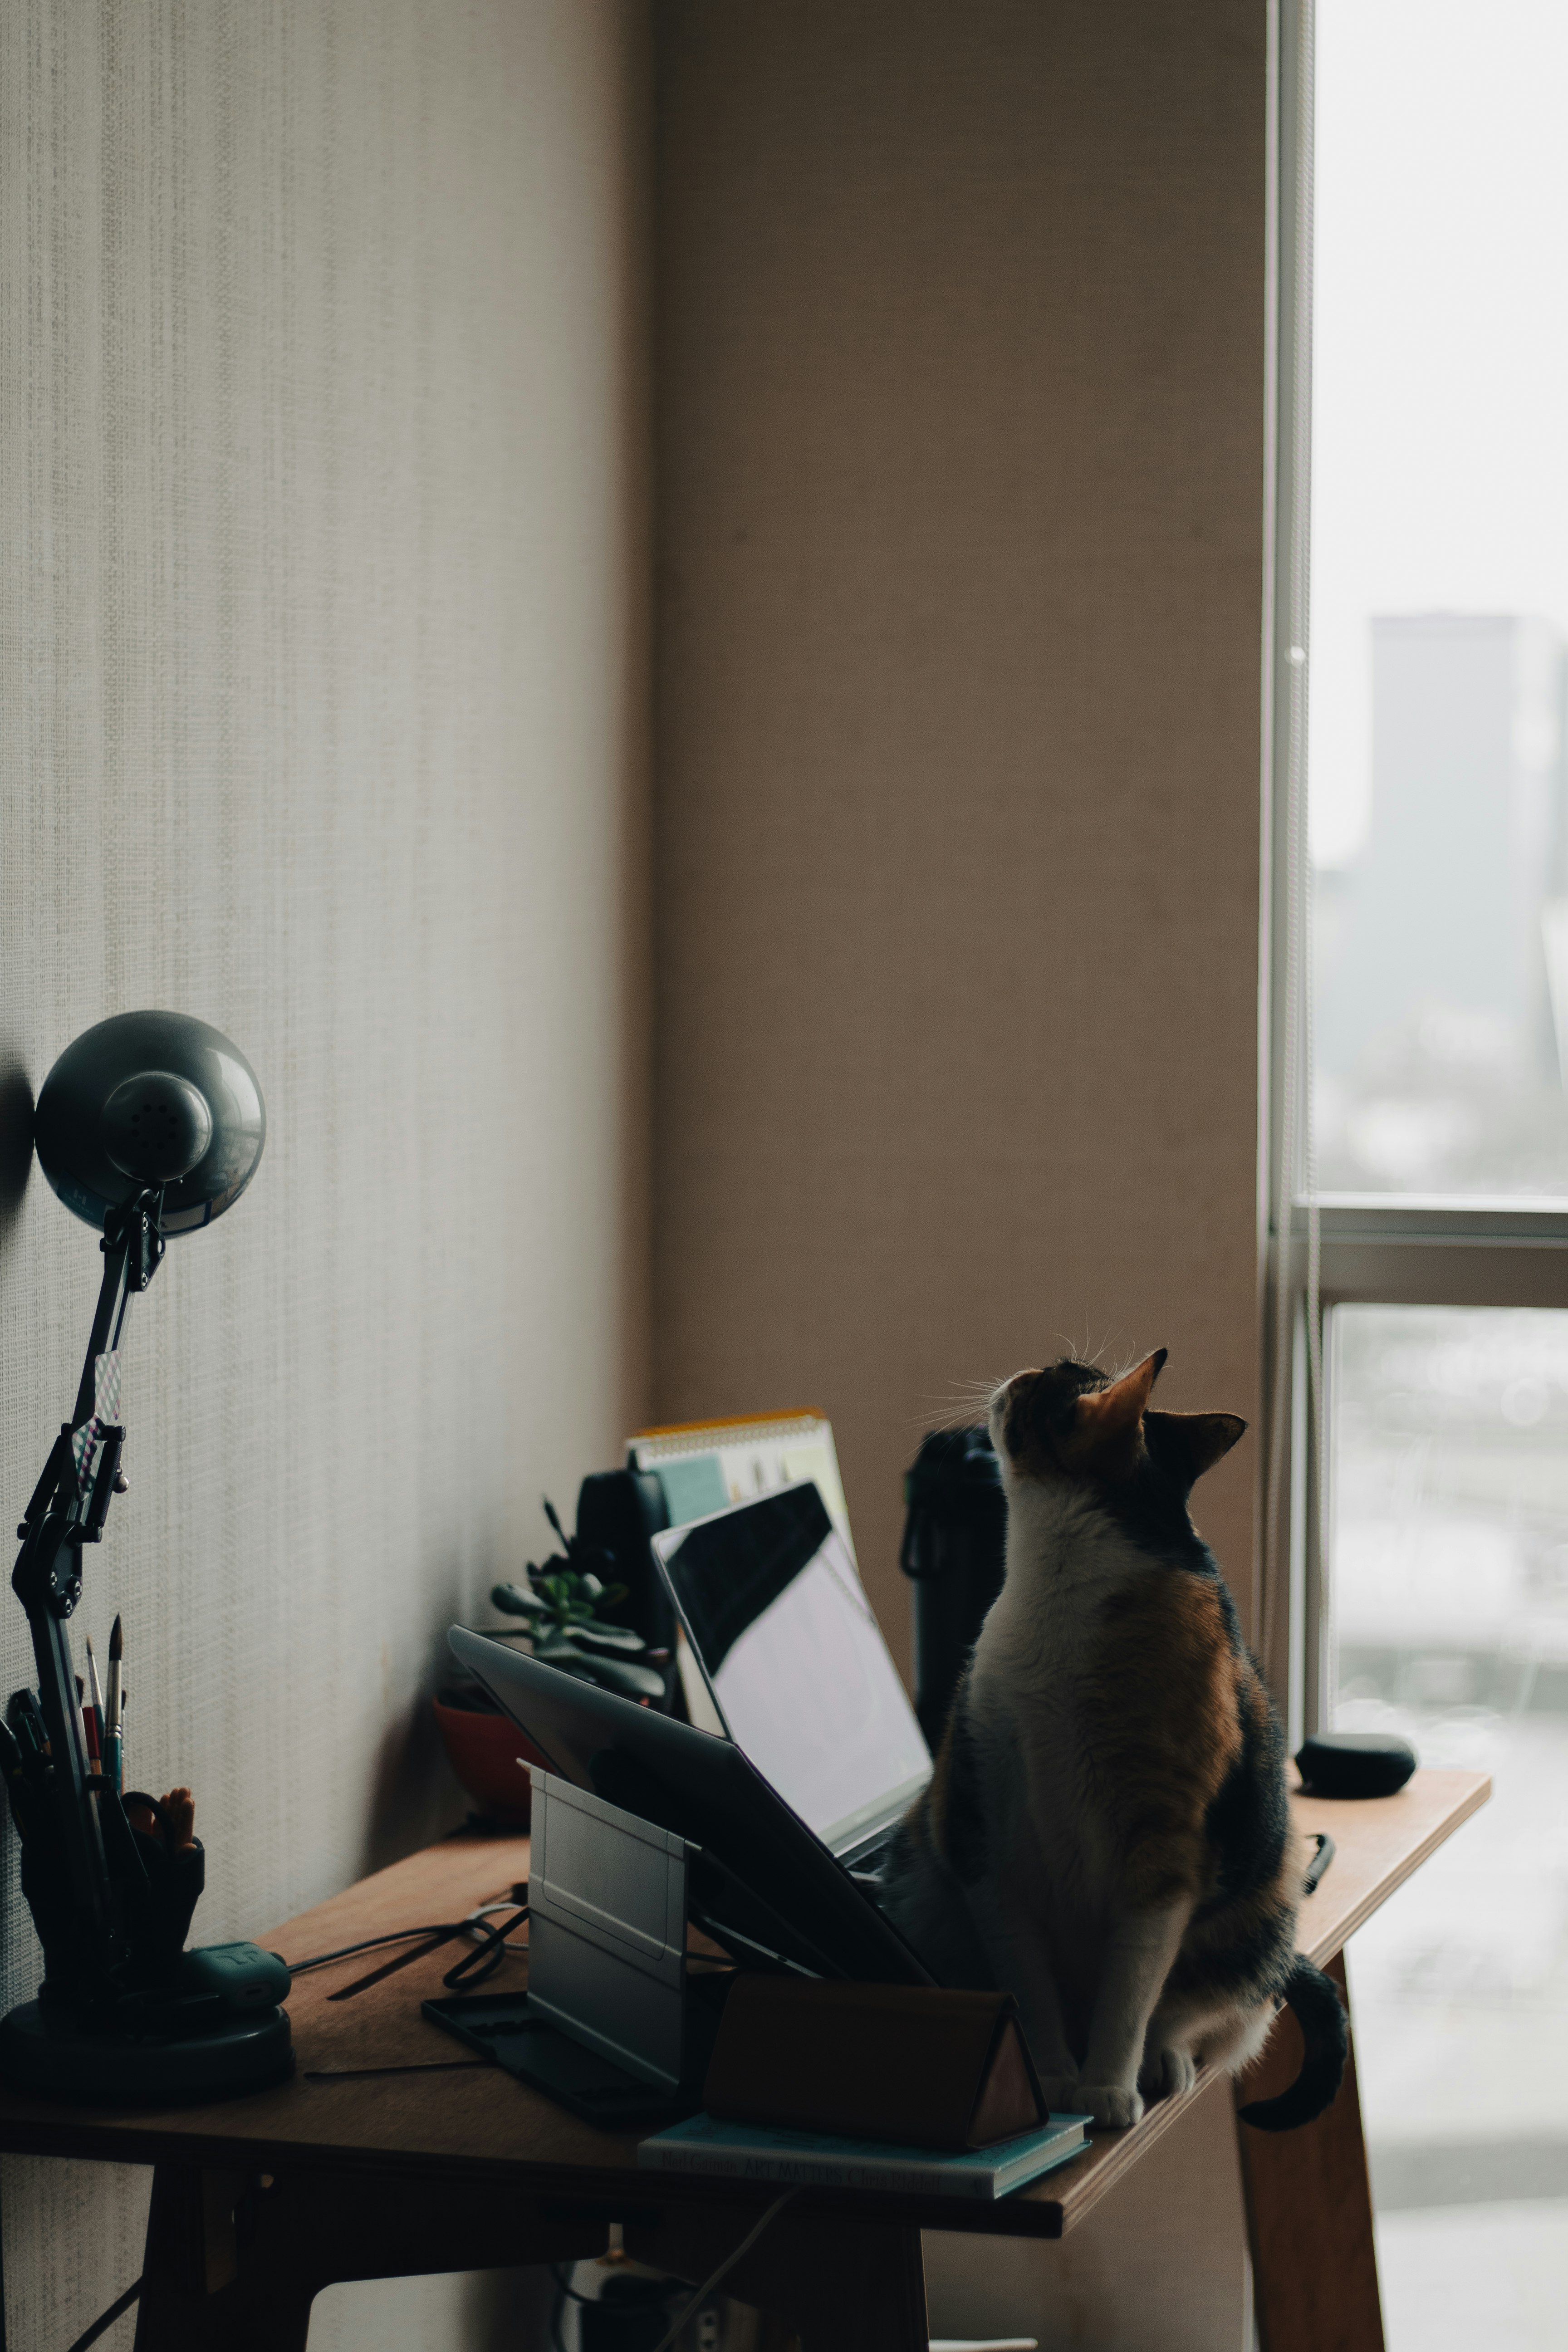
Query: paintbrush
x,y
95,1693
114,1716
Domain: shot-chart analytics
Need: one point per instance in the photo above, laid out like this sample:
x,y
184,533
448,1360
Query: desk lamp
x,y
149,1126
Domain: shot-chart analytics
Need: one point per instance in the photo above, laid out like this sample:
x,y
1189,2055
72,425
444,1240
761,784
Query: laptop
x,y
791,1654
795,1669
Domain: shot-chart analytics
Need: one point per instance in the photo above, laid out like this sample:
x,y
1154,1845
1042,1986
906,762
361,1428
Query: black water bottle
x,y
620,1512
954,1548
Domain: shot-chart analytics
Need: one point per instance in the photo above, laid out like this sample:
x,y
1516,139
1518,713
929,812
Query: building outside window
x,y
1421,759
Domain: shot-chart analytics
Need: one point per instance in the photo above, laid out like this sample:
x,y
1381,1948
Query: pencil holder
x,y
170,2024
155,1887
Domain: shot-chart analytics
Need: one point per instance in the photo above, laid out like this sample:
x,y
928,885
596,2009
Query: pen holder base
x,y
50,2050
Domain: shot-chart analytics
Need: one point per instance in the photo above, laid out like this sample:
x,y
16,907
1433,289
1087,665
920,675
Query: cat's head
x,y
1073,1424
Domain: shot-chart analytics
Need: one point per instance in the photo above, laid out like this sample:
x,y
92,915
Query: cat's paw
x,y
1108,2103
1167,2073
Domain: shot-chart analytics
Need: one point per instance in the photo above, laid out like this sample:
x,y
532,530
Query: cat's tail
x,y
1316,2001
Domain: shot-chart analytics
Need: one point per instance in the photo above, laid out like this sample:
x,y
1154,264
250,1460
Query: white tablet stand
x,y
606,2026
606,1932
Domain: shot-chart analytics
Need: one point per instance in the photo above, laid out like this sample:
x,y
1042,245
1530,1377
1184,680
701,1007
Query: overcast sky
x,y
1440,395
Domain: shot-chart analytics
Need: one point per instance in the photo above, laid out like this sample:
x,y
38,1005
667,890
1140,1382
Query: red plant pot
x,y
490,1756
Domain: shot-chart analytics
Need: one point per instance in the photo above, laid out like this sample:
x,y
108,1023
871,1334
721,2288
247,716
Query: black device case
x,y
1355,1763
954,1553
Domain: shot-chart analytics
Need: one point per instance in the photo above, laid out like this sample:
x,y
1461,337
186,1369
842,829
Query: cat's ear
x,y
1188,1443
1103,1435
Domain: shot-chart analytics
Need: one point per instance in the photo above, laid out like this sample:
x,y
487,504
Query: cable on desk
x,y
106,2319
491,1949
492,1941
481,1962
371,1944
433,1943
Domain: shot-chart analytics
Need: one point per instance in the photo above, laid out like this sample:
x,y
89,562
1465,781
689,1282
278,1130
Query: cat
x,y
1105,1833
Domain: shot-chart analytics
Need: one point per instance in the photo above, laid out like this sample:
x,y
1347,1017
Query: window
x,y
1418,1497
1439,597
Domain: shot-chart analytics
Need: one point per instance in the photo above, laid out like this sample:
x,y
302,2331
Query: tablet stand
x,y
613,2025
607,1931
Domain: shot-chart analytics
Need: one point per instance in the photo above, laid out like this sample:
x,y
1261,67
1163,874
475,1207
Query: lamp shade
x,y
149,1098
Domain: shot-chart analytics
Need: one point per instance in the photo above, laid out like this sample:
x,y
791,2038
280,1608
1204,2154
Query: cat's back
x,y
1169,1691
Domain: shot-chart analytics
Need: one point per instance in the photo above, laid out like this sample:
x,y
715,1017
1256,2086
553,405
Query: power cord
x,y
565,2293
481,1962
725,2267
106,2319
371,1944
493,1943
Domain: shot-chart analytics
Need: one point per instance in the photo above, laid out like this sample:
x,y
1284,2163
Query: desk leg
x,y
232,2266
1308,2210
190,2267
846,2285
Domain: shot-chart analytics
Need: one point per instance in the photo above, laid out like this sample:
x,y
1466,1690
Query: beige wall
x,y
960,485
323,716
321,635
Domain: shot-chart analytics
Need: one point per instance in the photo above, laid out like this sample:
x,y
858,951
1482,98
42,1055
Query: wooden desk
x,y
389,2155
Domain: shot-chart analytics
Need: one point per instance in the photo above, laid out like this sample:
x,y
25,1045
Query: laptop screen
x,y
796,1661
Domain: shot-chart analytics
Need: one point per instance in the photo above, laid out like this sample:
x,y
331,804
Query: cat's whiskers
x,y
968,1404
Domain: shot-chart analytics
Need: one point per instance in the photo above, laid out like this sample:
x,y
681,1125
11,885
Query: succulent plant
x,y
561,1604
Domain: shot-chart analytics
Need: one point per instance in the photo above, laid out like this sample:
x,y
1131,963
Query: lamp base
x,y
50,2053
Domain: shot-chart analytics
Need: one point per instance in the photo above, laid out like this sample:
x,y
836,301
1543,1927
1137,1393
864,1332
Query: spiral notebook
x,y
704,1465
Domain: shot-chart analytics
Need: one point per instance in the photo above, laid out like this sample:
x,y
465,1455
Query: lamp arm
x,y
46,1579
132,1248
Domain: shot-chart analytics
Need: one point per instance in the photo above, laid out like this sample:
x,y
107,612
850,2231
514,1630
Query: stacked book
x,y
823,2160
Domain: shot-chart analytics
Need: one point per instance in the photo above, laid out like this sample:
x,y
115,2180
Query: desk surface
x,y
348,2105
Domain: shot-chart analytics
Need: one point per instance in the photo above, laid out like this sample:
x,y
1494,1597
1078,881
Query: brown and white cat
x,y
1106,1835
